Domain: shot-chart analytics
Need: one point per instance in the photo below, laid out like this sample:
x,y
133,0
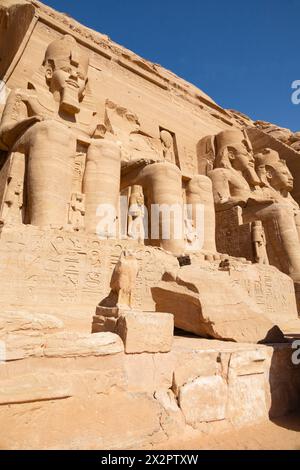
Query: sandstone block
x,y
203,399
146,331
149,372
19,346
247,399
117,420
248,362
172,418
193,364
23,322
34,387
210,306
105,319
69,344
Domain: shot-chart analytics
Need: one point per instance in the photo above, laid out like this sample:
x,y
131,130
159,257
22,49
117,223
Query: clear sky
x,y
245,55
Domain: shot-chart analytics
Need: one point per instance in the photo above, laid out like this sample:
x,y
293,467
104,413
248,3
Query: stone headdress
x,y
211,149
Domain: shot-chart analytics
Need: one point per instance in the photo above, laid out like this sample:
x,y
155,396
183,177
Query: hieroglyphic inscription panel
x,y
70,270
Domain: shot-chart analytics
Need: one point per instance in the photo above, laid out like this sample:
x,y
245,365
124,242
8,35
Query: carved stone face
x,y
280,177
69,80
66,69
69,75
240,158
243,161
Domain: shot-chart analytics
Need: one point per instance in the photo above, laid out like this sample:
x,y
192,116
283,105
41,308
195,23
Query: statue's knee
x,y
53,131
199,183
100,149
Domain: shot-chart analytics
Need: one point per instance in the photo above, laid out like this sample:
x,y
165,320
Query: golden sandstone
x,y
131,202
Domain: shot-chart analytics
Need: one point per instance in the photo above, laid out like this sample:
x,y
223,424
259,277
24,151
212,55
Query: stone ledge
x,y
141,332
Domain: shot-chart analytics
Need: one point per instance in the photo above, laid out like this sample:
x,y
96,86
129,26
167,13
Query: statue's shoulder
x,y
218,173
21,94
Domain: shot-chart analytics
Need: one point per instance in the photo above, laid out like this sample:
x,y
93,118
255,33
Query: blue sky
x,y
245,55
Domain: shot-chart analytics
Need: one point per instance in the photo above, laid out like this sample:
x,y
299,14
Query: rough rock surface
x,y
198,309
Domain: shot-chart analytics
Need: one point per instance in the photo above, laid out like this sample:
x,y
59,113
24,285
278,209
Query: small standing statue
x,y
259,243
123,279
190,233
168,146
136,213
13,202
77,211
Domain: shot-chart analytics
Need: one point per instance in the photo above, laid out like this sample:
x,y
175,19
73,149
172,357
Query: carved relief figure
x,y
125,127
259,242
13,201
136,213
168,146
46,122
77,211
190,232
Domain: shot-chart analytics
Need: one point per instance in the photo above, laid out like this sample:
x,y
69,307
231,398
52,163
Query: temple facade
x,y
131,202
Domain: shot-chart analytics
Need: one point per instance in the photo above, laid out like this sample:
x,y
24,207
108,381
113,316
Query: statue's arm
x,y
221,190
14,123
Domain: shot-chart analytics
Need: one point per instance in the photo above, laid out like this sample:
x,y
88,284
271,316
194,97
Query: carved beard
x,y
252,177
69,100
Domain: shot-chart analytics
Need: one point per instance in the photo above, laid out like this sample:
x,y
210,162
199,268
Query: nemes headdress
x,y
268,157
230,138
66,49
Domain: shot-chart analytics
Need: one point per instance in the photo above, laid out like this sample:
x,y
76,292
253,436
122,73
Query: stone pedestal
x,y
150,332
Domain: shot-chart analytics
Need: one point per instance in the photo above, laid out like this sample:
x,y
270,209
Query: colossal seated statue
x,y
278,183
47,122
236,182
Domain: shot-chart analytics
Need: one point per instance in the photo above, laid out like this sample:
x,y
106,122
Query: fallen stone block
x,y
211,307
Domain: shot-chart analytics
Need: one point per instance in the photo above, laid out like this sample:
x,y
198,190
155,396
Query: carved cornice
x,y
154,73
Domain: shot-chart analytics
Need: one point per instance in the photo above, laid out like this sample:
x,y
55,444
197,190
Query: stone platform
x,y
68,273
110,400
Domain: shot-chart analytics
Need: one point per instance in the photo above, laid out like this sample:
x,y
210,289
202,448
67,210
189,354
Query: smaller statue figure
x,y
136,213
168,146
123,279
259,242
190,233
77,211
13,202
